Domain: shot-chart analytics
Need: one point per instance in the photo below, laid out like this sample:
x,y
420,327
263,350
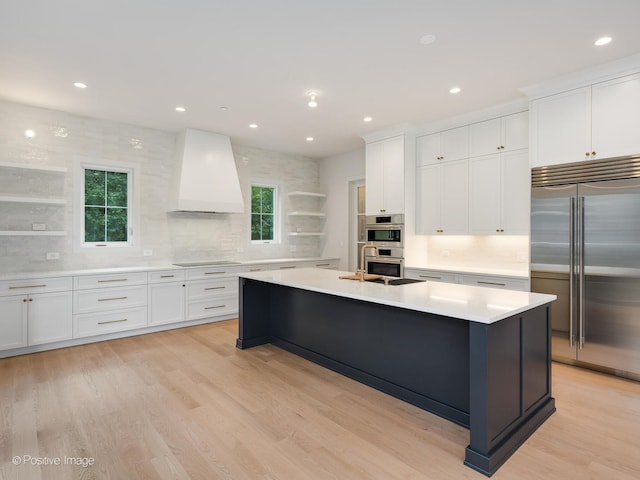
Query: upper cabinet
x,y
445,146
385,176
593,122
497,135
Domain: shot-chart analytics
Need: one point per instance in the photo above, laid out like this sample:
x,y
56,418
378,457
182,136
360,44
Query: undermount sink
x,y
396,281
206,264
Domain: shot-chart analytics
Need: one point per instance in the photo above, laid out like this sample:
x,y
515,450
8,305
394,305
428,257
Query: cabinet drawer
x,y
506,283
115,321
111,280
206,273
212,288
223,305
166,276
35,285
431,275
100,299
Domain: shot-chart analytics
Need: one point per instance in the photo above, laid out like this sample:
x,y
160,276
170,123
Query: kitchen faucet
x,y
362,270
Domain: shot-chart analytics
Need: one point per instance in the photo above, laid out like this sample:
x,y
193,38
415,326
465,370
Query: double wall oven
x,y
386,232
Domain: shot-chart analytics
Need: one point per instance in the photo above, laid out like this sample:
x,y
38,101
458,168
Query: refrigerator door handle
x,y
581,271
572,272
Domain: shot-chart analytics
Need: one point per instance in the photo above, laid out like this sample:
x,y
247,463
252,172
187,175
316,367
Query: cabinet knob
x,y
382,210
593,154
587,154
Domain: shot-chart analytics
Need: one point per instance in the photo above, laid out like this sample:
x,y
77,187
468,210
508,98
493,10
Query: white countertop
x,y
466,302
150,268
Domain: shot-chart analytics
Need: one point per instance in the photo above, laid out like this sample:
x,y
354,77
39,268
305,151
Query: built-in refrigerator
x,y
585,248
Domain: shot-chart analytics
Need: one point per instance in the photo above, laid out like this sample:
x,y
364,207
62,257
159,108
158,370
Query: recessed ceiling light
x,y
454,90
367,119
312,94
309,139
80,85
253,125
29,133
602,41
224,109
181,109
427,39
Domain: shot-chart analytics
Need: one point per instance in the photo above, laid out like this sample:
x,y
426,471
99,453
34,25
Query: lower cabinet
x,y
489,281
431,275
90,324
34,318
166,294
212,298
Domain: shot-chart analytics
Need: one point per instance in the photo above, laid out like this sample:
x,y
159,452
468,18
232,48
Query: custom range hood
x,y
206,179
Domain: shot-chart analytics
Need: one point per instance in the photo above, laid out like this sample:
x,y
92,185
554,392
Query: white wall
x,y
336,173
61,137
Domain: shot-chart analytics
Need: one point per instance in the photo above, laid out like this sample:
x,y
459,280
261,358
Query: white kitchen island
x,y
479,357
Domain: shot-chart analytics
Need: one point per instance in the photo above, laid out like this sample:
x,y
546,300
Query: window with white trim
x,y
264,214
106,217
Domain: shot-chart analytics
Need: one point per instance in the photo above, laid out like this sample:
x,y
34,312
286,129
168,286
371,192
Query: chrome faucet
x,y
362,270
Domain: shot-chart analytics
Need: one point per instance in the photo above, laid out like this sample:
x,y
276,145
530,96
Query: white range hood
x,y
206,178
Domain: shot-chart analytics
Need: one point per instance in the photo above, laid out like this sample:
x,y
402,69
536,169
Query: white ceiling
x,y
141,58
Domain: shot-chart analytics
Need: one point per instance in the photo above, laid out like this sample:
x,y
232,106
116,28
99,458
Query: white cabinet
x,y
431,275
493,281
212,292
594,122
109,303
384,163
445,146
35,311
615,117
499,188
166,294
503,134
442,198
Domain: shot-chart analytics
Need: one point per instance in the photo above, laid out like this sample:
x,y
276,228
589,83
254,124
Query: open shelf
x,y
27,166
307,214
45,201
307,194
32,233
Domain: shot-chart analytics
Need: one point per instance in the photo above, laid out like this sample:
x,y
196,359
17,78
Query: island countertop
x,y
466,302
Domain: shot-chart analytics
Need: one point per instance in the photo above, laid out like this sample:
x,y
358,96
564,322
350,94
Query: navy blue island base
x,y
494,379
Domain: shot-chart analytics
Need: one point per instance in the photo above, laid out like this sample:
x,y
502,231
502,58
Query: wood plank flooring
x,y
186,404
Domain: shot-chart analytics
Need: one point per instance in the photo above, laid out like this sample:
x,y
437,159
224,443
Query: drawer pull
x,y
215,288
113,298
430,276
214,273
323,264
167,276
27,286
255,269
492,283
286,268
113,280
113,321
215,306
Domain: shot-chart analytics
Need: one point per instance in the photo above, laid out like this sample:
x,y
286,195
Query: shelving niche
x,y
18,178
307,206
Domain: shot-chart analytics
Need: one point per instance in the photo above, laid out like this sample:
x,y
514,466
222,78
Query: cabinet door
x,y
561,128
455,144
428,150
374,168
515,131
516,192
13,322
615,110
393,175
166,303
50,317
454,209
484,138
485,180
428,193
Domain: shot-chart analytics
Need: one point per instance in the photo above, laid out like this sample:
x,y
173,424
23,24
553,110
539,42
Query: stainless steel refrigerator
x,y
585,248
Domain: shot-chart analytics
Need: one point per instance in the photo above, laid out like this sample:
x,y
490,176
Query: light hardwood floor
x,y
187,404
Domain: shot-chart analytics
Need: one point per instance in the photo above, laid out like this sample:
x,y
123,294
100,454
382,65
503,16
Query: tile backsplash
x,y
62,137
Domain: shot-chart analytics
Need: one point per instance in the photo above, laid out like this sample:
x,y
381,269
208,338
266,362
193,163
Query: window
x,y
106,218
264,220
